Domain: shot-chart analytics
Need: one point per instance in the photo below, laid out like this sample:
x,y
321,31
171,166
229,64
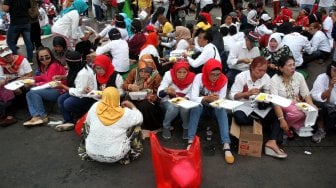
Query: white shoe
x,y
65,127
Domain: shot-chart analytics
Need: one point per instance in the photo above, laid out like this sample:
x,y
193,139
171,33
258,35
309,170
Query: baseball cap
x,y
265,17
4,50
253,37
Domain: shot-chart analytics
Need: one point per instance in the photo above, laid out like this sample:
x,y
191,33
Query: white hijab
x,y
278,39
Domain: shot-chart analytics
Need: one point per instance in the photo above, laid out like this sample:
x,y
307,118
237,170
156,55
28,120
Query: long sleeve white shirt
x,y
198,91
67,25
297,43
328,26
203,3
320,85
263,30
105,31
244,80
110,143
119,51
167,81
209,51
85,78
240,51
320,42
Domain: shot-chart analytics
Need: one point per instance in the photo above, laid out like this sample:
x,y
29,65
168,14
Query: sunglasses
x,y
44,58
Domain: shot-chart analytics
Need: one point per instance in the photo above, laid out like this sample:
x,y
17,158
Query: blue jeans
x,y
171,113
13,35
35,100
98,12
68,105
221,116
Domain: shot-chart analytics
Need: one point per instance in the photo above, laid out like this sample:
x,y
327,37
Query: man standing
x,y
19,25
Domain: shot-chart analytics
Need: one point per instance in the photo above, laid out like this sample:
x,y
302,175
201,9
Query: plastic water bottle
x,y
208,134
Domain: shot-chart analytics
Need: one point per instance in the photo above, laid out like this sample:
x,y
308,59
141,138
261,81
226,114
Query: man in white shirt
x,y
298,44
241,55
209,51
326,4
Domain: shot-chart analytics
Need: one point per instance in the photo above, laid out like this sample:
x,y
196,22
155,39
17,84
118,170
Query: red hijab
x,y
181,84
152,38
209,66
207,16
106,63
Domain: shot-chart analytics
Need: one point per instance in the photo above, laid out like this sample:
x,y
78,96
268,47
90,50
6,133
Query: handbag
x,y
6,95
294,116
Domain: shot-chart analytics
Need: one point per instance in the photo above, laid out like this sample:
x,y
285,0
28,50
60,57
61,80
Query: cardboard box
x,y
250,138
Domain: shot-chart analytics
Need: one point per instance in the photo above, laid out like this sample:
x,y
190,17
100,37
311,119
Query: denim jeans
x,y
13,35
68,105
171,112
221,116
35,100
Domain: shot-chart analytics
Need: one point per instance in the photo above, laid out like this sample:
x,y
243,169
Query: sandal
x,y
228,158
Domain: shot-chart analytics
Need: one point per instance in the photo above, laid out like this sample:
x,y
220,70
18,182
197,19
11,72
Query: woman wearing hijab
x,y
137,40
67,25
274,51
207,87
59,49
152,42
80,80
175,83
112,132
146,78
106,75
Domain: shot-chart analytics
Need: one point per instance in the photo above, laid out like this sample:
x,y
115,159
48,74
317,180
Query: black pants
x,y
327,114
270,124
35,35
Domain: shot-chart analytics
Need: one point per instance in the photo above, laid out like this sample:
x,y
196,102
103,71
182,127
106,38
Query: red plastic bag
x,y
176,168
79,125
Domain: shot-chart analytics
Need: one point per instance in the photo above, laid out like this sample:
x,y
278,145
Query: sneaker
x,y
65,127
166,133
318,136
185,134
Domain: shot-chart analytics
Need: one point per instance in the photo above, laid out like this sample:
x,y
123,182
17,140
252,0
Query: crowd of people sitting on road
x,y
158,60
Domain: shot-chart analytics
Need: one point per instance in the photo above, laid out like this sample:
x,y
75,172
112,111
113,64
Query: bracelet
x,y
280,117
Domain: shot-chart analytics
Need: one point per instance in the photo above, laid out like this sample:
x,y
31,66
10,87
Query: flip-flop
x,y
270,152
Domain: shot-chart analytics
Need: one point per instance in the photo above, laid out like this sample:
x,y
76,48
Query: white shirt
x,y
209,51
182,45
297,43
119,83
43,17
203,3
198,91
110,143
320,42
263,30
85,78
150,49
67,25
307,2
320,85
119,51
240,51
299,86
123,32
24,68
328,26
251,17
228,41
326,3
244,79
167,81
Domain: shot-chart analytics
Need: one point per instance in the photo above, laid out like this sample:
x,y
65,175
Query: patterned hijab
x,y
209,66
106,63
182,84
108,109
